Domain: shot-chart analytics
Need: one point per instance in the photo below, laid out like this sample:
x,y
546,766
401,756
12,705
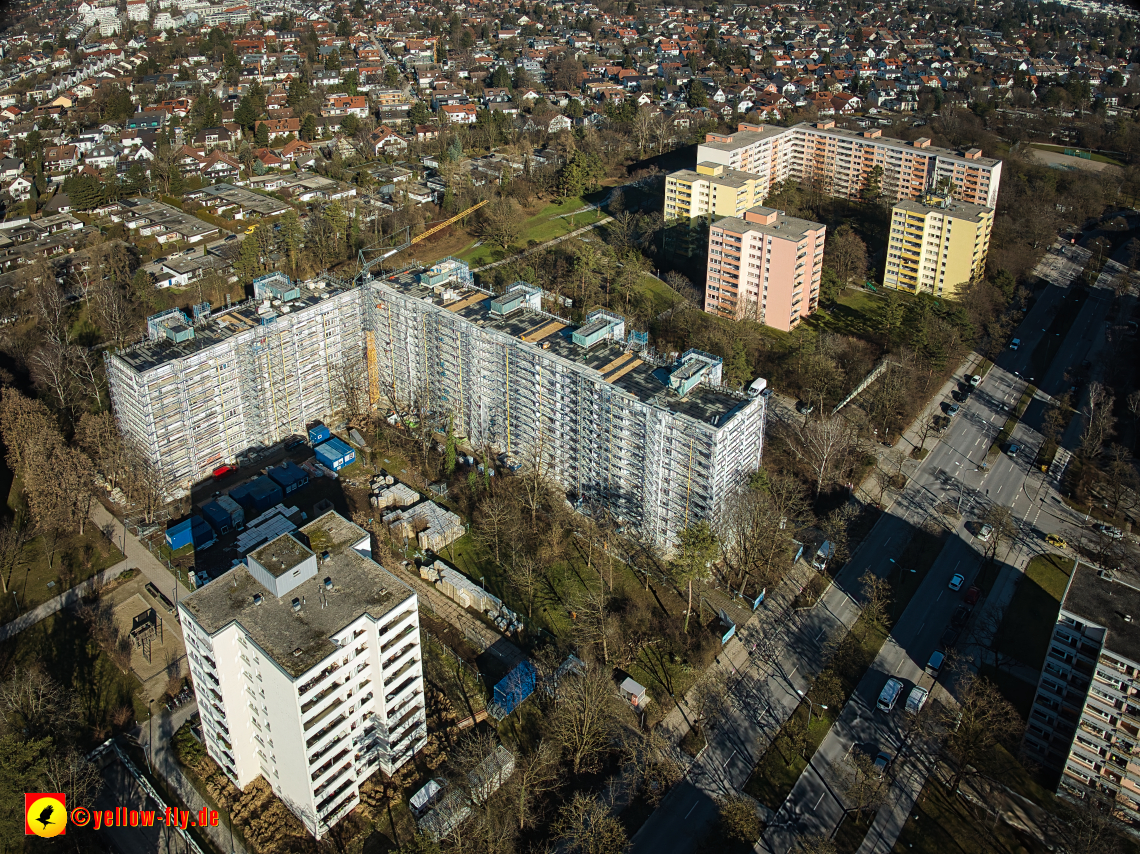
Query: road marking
x,y
940,595
817,803
690,812
999,488
728,760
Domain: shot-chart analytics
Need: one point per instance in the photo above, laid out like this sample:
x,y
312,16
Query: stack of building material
x,y
429,524
396,495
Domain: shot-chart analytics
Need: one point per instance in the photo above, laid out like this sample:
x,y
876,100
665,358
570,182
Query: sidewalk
x,y
63,600
138,555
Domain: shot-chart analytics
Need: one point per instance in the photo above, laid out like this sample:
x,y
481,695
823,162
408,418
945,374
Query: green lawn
x,y
42,575
659,294
107,698
857,313
1029,620
547,224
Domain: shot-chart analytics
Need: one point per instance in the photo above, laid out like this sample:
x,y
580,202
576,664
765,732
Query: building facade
x,y
313,696
937,245
1085,718
764,267
838,162
662,442
199,392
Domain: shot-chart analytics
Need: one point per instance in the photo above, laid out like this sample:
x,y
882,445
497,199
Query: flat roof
x,y
744,138
956,209
785,227
647,382
299,640
222,325
280,555
728,178
1107,603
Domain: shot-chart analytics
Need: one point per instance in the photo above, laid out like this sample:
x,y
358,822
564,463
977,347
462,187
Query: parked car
x,y
882,762
956,581
222,471
974,380
949,638
1111,531
916,699
1015,343
952,409
294,442
985,532
960,617
1012,449
973,594
934,664
1058,542
889,695
804,408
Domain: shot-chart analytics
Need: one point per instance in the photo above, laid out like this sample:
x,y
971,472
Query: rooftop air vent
x,y
256,598
296,604
297,652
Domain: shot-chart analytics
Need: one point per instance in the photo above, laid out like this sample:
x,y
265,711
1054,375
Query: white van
x,y
823,556
890,695
916,700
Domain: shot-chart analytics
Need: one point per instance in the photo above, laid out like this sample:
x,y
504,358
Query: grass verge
x,y
1032,613
1011,423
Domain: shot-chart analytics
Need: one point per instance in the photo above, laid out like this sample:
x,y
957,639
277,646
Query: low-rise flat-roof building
x,y
307,669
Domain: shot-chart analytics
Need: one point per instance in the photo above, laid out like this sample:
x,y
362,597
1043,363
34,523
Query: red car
x,y
972,596
222,471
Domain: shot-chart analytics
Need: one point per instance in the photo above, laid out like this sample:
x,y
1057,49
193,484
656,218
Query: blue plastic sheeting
x,y
202,533
289,476
515,687
179,536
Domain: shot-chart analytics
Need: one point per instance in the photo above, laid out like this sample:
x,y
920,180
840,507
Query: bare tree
x,y
826,445
877,600
1004,526
594,623
1099,421
536,774
587,826
864,786
526,574
35,706
983,720
738,818
584,717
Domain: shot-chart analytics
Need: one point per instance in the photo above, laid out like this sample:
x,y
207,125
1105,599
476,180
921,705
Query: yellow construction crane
x,y
366,266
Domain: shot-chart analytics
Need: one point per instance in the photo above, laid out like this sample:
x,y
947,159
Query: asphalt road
x,y
950,474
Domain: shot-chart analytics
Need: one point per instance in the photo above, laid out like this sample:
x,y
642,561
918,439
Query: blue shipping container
x,y
201,533
335,454
218,516
257,496
289,476
318,432
179,536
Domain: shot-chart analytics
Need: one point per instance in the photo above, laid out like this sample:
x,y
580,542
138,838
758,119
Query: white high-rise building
x,y
307,668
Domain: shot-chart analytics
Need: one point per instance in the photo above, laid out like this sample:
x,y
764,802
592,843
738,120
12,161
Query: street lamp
x,y
804,697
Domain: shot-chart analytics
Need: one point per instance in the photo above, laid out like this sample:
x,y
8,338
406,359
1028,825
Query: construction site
x,y
659,441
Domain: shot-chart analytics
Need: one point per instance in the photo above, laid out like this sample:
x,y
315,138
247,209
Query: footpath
x,y
68,597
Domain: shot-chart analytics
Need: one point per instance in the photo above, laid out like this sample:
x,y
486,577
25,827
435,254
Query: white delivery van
x,y
916,699
823,556
889,695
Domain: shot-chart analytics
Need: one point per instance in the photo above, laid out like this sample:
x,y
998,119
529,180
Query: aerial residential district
x,y
569,426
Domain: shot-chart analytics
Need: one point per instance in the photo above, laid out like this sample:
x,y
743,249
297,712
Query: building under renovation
x,y
200,391
660,441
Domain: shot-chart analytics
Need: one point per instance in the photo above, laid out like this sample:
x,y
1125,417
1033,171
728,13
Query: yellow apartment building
x,y
937,245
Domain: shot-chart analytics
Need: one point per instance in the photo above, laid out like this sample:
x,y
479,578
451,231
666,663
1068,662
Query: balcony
x,y
316,737
324,806
335,778
313,701
316,680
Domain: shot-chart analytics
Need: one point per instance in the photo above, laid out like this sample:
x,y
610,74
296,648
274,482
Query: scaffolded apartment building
x,y
199,392
660,441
